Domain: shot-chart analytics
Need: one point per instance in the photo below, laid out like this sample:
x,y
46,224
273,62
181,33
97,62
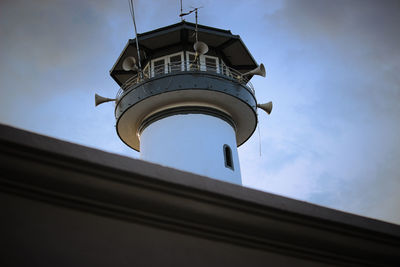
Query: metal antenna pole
x,y
181,12
191,11
136,38
196,24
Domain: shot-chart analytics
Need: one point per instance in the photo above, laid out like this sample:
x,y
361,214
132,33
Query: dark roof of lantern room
x,y
231,48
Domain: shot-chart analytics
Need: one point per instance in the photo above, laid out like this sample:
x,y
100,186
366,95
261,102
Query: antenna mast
x,y
190,12
136,37
181,12
195,11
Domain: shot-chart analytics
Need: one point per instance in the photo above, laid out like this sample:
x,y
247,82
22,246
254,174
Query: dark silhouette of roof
x,y
63,204
181,37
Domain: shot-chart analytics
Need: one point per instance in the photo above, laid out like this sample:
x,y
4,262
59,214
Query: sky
x,y
333,74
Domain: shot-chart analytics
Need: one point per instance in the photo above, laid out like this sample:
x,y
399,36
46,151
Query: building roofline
x,y
184,24
133,190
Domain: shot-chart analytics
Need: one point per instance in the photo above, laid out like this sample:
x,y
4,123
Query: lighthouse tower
x,y
191,104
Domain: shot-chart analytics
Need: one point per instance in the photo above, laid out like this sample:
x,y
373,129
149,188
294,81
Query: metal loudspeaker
x,y
99,99
260,70
201,48
129,63
267,107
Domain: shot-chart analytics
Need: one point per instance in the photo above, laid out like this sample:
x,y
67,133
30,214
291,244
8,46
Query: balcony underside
x,y
185,89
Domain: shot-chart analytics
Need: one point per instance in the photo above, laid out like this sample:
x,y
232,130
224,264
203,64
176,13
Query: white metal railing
x,y
182,67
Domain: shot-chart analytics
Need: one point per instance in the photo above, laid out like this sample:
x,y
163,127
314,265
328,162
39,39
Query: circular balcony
x,y
185,85
222,70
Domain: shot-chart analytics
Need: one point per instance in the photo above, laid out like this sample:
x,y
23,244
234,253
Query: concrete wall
x,y
66,205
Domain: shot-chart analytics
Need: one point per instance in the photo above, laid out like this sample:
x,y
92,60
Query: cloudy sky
x,y
333,73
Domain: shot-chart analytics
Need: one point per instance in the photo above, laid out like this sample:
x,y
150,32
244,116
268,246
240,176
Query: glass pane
x,y
159,67
211,64
175,63
192,65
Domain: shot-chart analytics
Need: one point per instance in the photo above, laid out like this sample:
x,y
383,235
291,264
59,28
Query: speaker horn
x,y
129,63
267,107
260,70
201,48
99,99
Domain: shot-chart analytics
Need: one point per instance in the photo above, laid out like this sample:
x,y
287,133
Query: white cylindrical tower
x,y
187,109
200,143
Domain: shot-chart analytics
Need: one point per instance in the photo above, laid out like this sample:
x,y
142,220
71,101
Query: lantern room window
x,y
191,65
158,67
174,63
203,63
211,63
167,64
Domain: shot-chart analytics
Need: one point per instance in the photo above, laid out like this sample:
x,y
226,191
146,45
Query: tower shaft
x,y
192,104
199,143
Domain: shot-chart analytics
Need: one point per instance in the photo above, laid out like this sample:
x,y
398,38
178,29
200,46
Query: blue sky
x,y
332,72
